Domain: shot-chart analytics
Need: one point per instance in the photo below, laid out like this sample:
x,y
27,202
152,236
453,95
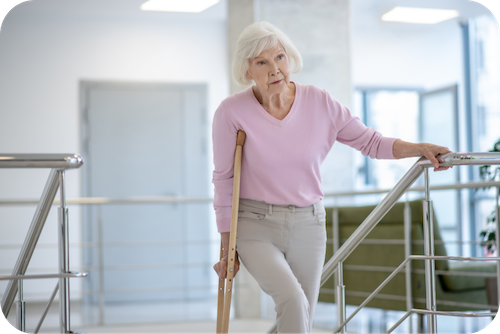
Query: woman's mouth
x,y
272,83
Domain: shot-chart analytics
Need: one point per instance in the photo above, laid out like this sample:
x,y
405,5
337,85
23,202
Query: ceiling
x,y
365,14
363,11
113,8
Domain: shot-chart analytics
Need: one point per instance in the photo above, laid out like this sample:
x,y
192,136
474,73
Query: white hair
x,y
258,37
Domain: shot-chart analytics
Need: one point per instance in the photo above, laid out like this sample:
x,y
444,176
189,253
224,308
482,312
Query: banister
x,y
179,199
23,160
450,159
373,219
58,163
34,232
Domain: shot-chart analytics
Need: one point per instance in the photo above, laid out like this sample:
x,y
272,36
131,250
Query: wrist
x,y
225,240
402,149
419,151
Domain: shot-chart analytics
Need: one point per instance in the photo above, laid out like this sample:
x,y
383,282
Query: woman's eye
x,y
260,63
280,57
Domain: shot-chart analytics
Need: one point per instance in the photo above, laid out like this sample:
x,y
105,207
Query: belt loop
x,y
294,209
270,209
314,209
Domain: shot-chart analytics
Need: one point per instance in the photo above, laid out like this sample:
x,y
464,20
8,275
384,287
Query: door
x,y
145,140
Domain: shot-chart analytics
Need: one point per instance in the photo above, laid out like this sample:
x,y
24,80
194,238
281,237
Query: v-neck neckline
x,y
273,119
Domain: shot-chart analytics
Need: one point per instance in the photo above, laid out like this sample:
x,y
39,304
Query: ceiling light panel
x,y
187,6
419,15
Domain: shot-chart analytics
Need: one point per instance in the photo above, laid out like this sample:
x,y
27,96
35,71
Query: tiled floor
x,y
235,326
161,318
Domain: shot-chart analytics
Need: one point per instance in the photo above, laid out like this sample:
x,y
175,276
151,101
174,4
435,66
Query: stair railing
x,y
335,264
58,163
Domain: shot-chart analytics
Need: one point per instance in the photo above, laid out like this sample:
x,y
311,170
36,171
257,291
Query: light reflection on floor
x,y
199,317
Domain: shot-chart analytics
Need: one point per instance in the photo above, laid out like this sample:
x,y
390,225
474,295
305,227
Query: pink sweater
x,y
281,158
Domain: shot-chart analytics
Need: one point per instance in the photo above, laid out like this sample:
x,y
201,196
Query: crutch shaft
x,y
228,290
220,299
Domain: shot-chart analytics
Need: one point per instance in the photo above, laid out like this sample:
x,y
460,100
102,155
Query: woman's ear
x,y
249,77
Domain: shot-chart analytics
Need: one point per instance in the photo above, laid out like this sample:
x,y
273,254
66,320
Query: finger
x,y
442,168
433,161
217,269
223,269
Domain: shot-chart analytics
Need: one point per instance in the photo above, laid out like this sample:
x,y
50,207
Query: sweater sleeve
x,y
351,131
224,135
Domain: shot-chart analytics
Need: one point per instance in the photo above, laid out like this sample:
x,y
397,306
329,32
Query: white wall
x,y
392,54
396,55
413,55
43,57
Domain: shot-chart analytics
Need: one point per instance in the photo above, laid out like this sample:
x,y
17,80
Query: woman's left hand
x,y
432,152
403,149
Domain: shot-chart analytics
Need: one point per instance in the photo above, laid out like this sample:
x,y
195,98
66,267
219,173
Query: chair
x,y
383,250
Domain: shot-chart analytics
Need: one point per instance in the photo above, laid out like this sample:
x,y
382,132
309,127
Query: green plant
x,y
488,235
485,172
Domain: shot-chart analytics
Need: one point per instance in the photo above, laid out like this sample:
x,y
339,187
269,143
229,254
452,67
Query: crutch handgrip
x,y
240,140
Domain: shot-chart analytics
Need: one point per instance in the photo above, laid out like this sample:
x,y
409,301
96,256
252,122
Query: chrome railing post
x,y
100,263
55,162
64,300
341,307
408,251
497,244
430,278
336,236
36,227
21,307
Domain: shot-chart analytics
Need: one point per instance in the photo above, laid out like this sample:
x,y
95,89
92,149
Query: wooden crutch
x,y
225,293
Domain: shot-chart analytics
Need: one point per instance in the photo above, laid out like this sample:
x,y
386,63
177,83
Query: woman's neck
x,y
278,101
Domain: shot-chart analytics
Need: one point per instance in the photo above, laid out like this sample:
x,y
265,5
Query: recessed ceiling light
x,y
419,15
189,6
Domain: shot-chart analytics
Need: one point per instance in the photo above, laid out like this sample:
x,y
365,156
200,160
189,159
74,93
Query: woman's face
x,y
270,70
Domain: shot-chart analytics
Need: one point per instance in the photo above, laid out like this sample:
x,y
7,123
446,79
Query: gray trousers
x,y
283,247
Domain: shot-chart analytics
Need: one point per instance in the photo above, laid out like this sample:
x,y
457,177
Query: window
x,y
394,113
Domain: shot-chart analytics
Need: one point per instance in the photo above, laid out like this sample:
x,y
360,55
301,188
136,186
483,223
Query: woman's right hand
x,y
221,266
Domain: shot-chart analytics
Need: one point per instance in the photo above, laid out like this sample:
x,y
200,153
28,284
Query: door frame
x,y
85,86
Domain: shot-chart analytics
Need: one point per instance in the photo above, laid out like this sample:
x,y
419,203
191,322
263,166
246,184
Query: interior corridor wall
x,y
399,55
420,56
425,56
42,60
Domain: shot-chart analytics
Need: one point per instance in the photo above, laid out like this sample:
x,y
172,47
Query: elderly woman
x,y
290,128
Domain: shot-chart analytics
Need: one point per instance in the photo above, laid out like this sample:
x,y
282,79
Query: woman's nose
x,y
275,70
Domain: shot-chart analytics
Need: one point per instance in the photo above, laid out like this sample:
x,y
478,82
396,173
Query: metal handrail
x,y
179,199
58,164
458,185
336,261
407,181
58,161
419,300
453,314
400,267
42,276
32,237
451,159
